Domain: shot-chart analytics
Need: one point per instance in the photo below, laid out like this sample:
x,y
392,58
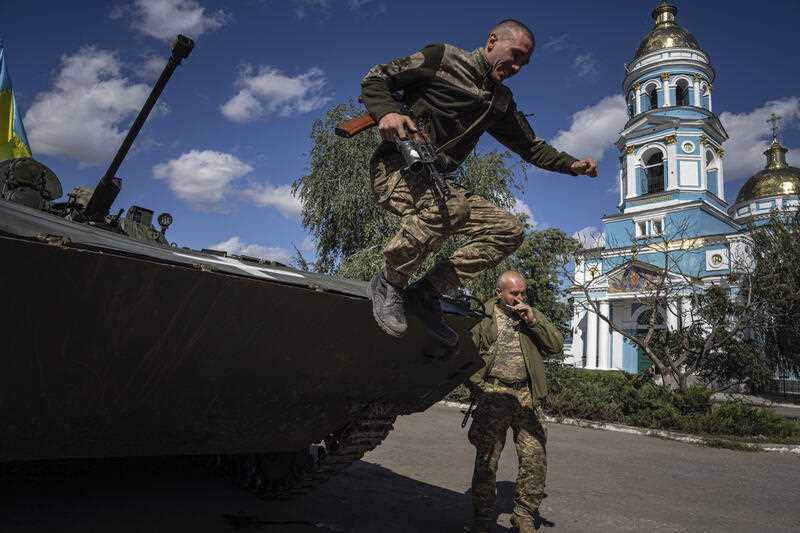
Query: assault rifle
x,y
422,158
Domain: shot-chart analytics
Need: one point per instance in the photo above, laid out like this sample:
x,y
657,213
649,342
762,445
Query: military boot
x,y
525,524
387,306
422,300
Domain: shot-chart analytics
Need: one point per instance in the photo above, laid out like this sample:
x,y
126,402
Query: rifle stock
x,y
354,126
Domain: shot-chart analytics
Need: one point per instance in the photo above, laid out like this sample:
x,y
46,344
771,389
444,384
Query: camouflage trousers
x,y
500,408
492,233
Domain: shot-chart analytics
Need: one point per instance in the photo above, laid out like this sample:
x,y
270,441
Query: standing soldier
x,y
458,95
509,389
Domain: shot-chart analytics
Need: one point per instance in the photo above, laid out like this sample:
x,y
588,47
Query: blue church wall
x,y
645,103
618,233
713,186
690,223
701,195
695,222
660,93
682,112
630,355
706,101
687,262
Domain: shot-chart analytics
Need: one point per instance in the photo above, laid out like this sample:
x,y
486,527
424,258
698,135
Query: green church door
x,y
644,361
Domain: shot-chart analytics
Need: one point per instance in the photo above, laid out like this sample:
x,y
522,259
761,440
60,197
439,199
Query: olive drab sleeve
x,y
382,80
514,131
545,335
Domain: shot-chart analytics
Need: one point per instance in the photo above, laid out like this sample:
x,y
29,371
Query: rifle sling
x,y
458,138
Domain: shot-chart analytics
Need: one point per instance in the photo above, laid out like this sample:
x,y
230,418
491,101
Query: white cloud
x,y
164,19
556,43
594,129
750,135
309,244
152,67
202,178
586,66
322,8
590,237
302,8
270,92
521,208
84,116
361,7
235,246
278,196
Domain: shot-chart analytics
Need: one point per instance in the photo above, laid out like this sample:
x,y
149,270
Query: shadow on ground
x,y
179,495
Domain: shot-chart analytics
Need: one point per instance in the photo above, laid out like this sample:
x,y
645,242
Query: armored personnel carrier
x,y
118,344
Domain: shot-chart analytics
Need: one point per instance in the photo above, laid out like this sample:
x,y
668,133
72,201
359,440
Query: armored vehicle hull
x,y
113,347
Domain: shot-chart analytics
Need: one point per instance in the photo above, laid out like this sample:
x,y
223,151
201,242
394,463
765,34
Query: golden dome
x,y
666,34
775,180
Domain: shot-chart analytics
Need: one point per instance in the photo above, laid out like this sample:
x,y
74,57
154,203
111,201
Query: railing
x,y
787,386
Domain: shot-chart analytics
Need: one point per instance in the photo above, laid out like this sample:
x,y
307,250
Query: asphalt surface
x,y
418,481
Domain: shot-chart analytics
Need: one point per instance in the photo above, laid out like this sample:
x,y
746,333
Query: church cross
x,y
774,120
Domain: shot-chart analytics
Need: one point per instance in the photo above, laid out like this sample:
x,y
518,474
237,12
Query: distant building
x,y
672,186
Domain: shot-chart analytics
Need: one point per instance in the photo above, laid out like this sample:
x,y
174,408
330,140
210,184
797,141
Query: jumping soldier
x,y
458,95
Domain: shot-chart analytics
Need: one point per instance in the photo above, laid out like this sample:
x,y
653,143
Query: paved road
x,y
418,482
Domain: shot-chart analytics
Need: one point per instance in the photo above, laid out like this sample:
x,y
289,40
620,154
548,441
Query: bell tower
x,y
671,147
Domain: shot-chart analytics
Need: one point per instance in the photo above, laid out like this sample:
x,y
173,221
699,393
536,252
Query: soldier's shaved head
x,y
510,28
510,278
511,288
508,49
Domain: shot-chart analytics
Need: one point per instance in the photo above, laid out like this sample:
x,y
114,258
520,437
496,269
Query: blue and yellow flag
x,y
13,141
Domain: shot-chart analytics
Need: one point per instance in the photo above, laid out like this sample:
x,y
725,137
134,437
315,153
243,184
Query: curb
x,y
660,433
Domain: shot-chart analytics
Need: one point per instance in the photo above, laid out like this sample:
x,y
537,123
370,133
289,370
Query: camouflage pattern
x,y
509,365
492,233
449,90
499,408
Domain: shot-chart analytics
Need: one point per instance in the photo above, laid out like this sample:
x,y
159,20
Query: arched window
x,y
653,161
682,93
652,96
631,104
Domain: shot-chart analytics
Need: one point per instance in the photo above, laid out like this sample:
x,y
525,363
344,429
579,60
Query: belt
x,y
516,385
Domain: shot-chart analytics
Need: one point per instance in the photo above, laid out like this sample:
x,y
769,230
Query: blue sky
x,y
233,130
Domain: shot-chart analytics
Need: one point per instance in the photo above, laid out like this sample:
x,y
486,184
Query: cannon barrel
x,y
109,186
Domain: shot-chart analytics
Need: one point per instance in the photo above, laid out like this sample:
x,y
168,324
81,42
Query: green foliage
x,y
741,419
629,399
351,229
776,285
338,208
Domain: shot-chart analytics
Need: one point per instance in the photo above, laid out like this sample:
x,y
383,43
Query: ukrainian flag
x,y
13,141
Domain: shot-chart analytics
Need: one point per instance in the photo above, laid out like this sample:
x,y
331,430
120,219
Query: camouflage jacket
x,y
448,89
542,339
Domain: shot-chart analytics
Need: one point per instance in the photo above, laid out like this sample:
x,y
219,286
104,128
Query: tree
x,y
690,326
351,229
775,251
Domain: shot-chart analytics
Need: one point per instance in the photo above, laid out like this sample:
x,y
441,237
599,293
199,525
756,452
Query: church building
x,y
672,211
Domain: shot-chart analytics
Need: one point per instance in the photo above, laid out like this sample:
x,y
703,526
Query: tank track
x,y
293,474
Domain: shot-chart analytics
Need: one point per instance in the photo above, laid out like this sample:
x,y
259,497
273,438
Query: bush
x,y
741,419
630,399
622,398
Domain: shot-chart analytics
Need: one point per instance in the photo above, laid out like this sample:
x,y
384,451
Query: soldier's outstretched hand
x,y
585,167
